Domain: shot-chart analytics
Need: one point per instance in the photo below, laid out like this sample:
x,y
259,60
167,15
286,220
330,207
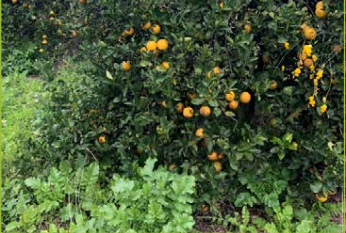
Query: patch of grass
x,y
21,99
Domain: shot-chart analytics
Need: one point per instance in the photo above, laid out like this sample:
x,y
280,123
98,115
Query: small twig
x,y
92,154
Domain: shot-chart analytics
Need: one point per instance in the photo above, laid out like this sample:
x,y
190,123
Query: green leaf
x,y
197,101
316,187
109,75
12,225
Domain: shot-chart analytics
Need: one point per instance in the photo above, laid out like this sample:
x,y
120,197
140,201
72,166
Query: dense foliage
x,y
239,100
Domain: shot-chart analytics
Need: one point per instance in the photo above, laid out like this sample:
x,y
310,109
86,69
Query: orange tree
x,y
245,95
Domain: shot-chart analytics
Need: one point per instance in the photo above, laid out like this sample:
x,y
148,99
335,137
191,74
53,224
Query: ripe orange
x,y
164,104
143,49
102,139
199,133
44,42
205,111
217,70
321,14
146,26
213,156
217,166
273,85
156,29
188,112
162,44
230,96
247,28
233,104
323,198
179,107
309,33
308,62
130,31
319,5
221,5
165,65
14,1
151,45
44,37
245,97
126,65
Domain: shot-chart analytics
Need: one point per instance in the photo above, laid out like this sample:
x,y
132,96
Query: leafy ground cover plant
x,y
153,200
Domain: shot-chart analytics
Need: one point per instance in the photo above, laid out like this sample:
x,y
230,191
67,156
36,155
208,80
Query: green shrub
x,y
285,142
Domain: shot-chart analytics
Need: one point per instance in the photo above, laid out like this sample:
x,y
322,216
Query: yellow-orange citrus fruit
x,y
247,28
221,5
165,65
130,31
230,96
179,107
308,62
146,26
221,156
51,18
273,85
188,112
126,65
164,104
213,156
14,1
44,42
156,29
151,45
199,132
302,56
309,33
51,13
44,37
162,44
143,49
245,97
321,14
233,104
205,111
319,5
322,198
217,166
41,50
217,70
102,139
